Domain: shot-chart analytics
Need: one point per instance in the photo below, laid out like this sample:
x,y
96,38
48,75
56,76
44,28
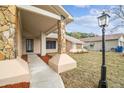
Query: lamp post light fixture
x,y
103,22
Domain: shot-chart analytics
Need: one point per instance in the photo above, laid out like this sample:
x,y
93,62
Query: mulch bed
x,y
25,57
45,58
17,85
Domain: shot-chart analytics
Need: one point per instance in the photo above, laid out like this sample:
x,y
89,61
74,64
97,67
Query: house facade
x,y
112,42
23,31
72,44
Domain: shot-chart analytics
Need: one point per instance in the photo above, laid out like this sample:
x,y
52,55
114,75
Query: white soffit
x,y
39,11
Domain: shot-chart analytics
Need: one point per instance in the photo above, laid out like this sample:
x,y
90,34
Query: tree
x,y
118,11
76,35
79,35
118,14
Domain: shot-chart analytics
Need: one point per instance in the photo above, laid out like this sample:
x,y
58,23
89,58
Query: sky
x,y
85,19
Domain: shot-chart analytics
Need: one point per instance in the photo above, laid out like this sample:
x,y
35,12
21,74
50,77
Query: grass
x,y
87,73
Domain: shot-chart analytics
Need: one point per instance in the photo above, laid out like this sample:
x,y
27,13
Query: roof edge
x,y
69,17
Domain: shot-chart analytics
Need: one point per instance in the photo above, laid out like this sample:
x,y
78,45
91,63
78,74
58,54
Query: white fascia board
x,y
69,15
62,11
39,11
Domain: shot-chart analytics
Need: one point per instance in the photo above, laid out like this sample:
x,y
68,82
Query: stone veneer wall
x,y
7,32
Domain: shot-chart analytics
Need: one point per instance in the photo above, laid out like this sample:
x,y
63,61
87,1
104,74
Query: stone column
x,y
7,32
61,37
43,44
61,62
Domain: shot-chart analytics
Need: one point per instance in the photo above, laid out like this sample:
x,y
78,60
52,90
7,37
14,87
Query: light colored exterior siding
x,y
111,44
98,45
121,41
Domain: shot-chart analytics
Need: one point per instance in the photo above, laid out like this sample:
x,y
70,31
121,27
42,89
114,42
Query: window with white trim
x,y
50,44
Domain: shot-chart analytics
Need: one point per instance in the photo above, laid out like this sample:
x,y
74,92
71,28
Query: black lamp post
x,y
103,21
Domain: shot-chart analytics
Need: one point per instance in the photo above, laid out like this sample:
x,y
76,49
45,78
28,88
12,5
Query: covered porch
x,y
35,23
31,26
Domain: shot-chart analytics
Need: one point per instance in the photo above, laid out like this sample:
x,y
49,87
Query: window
x,y
50,44
92,45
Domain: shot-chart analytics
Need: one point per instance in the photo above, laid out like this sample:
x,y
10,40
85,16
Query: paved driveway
x,y
42,76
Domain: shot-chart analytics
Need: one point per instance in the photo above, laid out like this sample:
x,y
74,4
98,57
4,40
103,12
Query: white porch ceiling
x,y
34,23
58,10
39,11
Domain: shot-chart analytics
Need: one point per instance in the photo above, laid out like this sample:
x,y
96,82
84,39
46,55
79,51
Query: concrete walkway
x,y
42,76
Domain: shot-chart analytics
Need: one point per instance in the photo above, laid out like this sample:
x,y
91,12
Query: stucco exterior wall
x,y
36,45
51,50
19,35
42,44
69,46
24,45
37,42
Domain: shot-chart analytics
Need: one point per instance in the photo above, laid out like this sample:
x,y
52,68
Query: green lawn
x,y
87,73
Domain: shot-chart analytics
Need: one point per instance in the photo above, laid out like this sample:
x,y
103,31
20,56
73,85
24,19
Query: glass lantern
x,y
103,20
